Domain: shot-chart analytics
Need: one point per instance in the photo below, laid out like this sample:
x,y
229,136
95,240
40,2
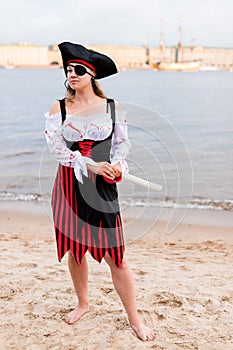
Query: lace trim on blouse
x,y
77,128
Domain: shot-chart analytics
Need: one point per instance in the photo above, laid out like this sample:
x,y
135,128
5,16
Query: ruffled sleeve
x,y
120,142
58,148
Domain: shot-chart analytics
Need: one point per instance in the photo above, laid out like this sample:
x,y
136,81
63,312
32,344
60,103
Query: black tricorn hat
x,y
102,64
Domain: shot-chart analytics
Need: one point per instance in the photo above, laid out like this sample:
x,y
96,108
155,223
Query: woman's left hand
x,y
118,170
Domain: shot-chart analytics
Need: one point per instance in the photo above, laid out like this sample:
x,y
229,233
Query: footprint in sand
x,y
28,265
141,273
107,290
168,299
7,292
40,278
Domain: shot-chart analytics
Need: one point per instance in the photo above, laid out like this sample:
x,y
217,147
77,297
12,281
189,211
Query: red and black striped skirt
x,y
86,216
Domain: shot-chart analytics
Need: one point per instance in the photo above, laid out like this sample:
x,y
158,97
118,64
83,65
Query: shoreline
x,y
149,223
207,68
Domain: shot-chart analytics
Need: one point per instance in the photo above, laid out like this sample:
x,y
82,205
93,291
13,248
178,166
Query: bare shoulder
x,y
55,108
118,106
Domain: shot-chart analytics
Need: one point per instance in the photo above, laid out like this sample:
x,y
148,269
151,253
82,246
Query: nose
x,y
73,74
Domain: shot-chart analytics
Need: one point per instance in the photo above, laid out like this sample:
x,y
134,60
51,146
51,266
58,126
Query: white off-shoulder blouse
x,y
77,128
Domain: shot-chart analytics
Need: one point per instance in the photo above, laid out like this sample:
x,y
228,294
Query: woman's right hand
x,y
103,168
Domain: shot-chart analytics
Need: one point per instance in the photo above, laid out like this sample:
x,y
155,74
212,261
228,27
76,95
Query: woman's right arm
x,y
57,146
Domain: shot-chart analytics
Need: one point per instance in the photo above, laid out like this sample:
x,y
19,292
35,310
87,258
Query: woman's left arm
x,y
120,146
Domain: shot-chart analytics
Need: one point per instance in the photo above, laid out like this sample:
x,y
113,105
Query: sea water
x,y
180,126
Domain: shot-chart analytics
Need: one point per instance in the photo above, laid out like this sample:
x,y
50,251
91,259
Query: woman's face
x,y
76,81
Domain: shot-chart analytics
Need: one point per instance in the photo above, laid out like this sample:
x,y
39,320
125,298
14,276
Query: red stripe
x,y
121,234
84,243
68,222
59,218
105,241
119,225
76,217
121,231
55,210
122,246
58,197
83,62
113,255
71,216
62,212
95,249
118,241
89,240
65,213
61,200
100,241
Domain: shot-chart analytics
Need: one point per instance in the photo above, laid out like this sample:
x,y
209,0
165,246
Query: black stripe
x,y
63,188
58,213
63,109
98,253
111,103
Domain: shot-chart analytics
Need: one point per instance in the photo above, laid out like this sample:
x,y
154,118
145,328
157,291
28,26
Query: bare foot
x,y
143,332
77,313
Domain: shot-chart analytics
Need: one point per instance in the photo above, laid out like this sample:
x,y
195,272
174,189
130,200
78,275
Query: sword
x,y
132,179
146,184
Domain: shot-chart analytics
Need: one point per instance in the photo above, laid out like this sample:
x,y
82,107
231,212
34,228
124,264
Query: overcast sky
x,y
117,22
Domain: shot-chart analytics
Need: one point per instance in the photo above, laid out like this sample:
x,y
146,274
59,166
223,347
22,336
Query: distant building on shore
x,y
23,55
124,56
26,55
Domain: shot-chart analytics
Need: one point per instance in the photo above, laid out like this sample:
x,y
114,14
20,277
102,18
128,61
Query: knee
x,y
73,262
123,266
71,259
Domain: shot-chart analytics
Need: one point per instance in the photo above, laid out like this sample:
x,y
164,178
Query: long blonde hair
x,y
95,86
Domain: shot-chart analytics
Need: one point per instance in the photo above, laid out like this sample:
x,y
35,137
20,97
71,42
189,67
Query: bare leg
x,y
123,283
79,277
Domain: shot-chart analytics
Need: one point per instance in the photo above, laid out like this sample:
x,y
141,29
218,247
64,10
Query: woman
x,y
88,137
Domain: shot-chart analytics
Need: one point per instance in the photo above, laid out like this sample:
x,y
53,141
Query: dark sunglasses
x,y
80,70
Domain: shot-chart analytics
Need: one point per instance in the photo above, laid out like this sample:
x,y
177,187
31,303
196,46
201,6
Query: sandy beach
x,y
183,283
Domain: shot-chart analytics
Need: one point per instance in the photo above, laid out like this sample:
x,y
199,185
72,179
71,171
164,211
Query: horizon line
x,y
115,45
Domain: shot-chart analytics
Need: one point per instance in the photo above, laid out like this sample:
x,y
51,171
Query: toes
x,y
70,321
150,336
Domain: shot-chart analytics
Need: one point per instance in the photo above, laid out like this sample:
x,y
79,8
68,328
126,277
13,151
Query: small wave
x,y
194,203
10,196
212,204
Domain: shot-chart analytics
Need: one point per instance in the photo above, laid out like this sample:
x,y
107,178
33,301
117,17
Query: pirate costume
x,y
85,205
